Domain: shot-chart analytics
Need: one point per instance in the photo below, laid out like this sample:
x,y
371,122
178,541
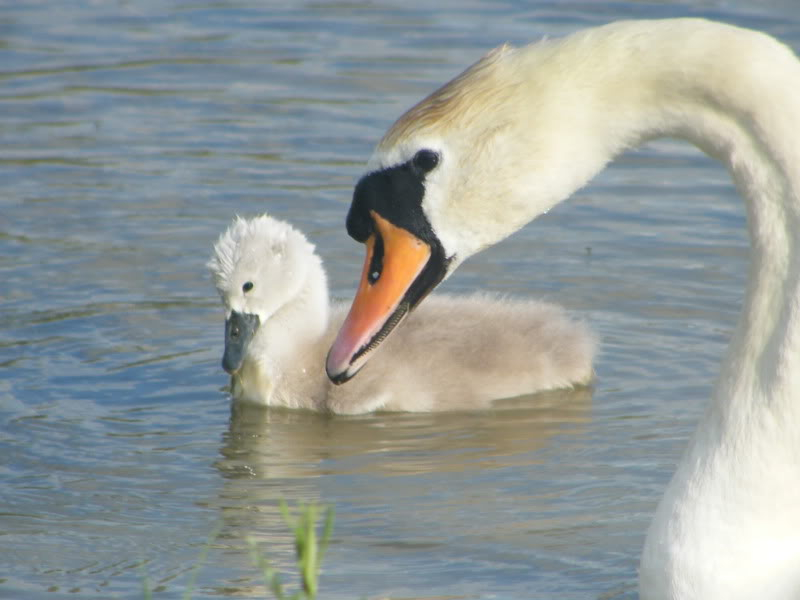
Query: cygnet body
x,y
454,353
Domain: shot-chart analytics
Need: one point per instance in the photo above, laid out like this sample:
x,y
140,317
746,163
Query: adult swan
x,y
521,130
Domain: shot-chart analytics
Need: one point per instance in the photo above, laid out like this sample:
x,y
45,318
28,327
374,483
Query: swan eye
x,y
425,160
248,285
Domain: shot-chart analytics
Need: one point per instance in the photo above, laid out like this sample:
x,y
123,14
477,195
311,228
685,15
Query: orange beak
x,y
394,259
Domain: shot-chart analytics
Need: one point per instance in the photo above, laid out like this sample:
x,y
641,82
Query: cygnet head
x,y
272,285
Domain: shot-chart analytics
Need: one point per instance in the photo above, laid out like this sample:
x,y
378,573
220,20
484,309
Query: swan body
x,y
520,131
458,352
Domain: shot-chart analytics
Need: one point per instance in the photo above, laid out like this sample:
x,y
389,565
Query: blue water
x,y
132,132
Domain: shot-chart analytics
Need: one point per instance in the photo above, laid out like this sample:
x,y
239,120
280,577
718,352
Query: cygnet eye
x,y
248,285
425,160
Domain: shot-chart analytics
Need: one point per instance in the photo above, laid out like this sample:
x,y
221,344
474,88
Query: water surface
x,y
133,131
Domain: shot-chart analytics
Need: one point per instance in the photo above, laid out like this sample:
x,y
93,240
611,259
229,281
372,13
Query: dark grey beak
x,y
239,330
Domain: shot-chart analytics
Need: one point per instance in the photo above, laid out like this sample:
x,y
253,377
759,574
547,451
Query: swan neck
x,y
727,524
727,107
733,93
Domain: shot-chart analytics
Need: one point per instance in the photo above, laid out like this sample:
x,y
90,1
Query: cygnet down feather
x,y
453,353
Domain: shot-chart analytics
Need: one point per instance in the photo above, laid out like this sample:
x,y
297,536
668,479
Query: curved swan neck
x,y
732,92
727,526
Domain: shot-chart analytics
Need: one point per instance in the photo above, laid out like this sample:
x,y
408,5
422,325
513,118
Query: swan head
x,y
272,285
473,162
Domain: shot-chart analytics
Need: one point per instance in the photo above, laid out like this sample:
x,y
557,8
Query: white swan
x,y
458,352
521,130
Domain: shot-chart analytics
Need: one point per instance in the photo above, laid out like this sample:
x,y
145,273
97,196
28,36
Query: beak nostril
x,y
239,330
376,263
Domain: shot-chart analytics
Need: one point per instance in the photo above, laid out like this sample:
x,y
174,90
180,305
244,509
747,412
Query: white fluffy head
x,y
260,264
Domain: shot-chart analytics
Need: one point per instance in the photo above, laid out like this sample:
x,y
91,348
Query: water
x,y
133,131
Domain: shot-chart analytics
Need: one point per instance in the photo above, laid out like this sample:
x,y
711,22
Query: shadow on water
x,y
428,467
268,443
